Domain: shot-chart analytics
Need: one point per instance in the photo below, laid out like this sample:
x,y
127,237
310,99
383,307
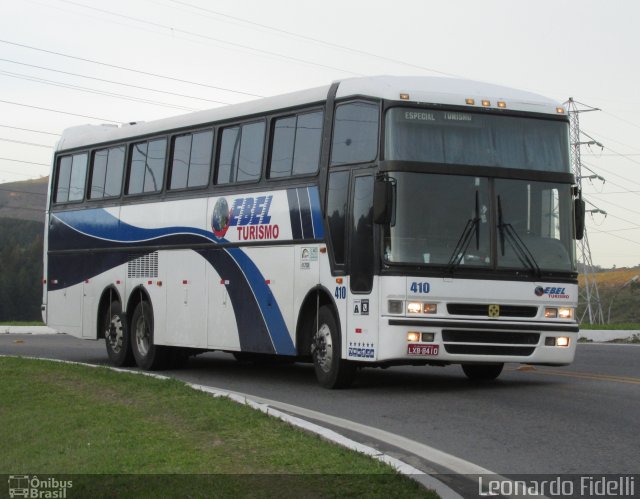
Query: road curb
x,y
401,467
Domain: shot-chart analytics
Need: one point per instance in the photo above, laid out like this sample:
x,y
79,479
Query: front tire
x,y
148,355
116,336
482,372
331,370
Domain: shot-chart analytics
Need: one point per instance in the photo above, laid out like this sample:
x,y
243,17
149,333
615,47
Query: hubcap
x,y
142,336
322,348
115,334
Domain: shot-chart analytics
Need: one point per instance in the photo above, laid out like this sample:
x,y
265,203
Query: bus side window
x,y
337,211
362,235
106,173
72,172
191,160
355,133
146,171
241,151
296,145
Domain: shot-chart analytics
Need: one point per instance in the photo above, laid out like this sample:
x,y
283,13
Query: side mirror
x,y
579,213
383,200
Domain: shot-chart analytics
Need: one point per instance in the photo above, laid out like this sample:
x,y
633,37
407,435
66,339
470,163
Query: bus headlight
x,y
559,312
417,307
565,312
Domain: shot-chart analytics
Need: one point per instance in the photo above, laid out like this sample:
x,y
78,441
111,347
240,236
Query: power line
x,y
115,66
57,111
94,91
29,130
311,39
26,162
211,38
26,143
139,87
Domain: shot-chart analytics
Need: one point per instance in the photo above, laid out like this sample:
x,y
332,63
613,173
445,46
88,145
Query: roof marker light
x,y
560,110
470,102
404,96
486,103
502,104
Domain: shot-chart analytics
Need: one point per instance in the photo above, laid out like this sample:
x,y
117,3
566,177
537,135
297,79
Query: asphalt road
x,y
582,419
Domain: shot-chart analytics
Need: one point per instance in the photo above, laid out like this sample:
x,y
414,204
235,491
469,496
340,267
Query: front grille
x,y
505,338
482,309
489,350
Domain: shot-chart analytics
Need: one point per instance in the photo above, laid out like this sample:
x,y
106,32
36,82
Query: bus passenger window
x,y
355,133
296,145
146,172
241,151
191,160
72,172
106,173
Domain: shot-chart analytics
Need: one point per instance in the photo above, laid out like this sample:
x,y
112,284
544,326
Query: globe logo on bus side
x,y
220,218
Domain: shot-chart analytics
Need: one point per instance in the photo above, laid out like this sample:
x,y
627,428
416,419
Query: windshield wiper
x,y
519,247
472,226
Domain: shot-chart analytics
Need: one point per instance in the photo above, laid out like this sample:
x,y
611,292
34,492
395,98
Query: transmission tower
x,y
590,293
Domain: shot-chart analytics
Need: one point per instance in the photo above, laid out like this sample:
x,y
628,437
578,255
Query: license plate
x,y
414,349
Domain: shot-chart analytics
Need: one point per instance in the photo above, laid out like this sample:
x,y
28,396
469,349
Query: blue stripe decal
x,y
305,213
267,303
100,224
316,213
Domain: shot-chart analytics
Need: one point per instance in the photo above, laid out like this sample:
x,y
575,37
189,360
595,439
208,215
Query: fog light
x,y
551,313
414,307
413,336
550,341
428,337
395,306
562,341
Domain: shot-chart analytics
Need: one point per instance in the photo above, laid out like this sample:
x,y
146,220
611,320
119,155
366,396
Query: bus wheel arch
x,y
319,338
316,298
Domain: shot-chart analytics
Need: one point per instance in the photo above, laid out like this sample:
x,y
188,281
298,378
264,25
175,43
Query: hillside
x,y
24,200
619,295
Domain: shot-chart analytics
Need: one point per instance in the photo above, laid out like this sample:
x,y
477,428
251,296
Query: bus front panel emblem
x,y
494,311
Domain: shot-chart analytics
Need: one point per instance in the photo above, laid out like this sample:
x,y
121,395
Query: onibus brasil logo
x,y
249,215
32,486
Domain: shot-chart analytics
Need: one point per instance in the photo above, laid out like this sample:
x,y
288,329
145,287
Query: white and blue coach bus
x,y
375,221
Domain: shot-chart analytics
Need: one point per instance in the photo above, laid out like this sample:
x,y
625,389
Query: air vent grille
x,y
145,266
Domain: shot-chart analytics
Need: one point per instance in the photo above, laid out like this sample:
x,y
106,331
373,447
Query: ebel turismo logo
x,y
551,292
249,215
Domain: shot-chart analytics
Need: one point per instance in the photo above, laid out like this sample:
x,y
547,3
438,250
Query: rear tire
x,y
482,372
116,336
148,356
331,370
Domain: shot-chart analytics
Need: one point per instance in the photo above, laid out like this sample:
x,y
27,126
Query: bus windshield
x,y
451,221
452,137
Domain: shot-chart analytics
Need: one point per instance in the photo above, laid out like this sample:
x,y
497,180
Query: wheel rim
x,y
115,333
142,336
323,348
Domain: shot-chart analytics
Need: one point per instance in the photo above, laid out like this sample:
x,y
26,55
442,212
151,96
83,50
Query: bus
x,y
371,222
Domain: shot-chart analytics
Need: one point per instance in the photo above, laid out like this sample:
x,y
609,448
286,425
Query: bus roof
x,y
414,89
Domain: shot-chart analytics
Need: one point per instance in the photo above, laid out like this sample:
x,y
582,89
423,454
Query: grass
x,y
121,435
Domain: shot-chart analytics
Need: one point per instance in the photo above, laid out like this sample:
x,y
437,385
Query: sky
x,y
70,62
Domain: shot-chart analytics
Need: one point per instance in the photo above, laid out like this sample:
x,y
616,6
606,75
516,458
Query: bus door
x,y
362,336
